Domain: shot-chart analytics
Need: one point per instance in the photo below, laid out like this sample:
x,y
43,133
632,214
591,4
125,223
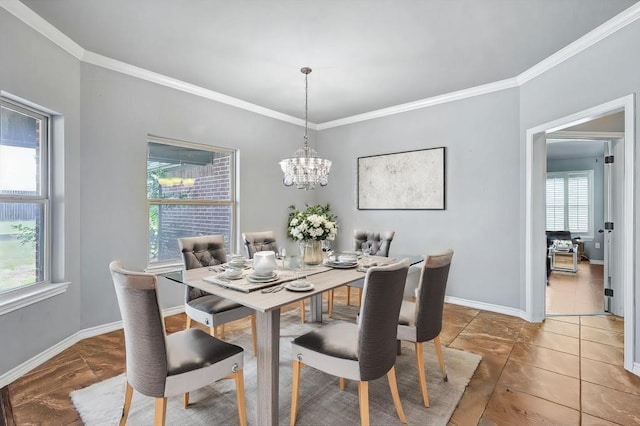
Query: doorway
x,y
622,245
578,204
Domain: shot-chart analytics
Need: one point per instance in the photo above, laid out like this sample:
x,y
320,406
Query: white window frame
x,y
171,265
565,175
29,294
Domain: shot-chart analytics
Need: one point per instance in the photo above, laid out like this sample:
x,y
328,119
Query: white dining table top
x,y
322,277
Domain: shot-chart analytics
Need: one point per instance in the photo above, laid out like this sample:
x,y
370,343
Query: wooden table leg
x,y
268,328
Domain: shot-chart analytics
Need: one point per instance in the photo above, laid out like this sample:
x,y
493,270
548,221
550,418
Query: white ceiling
x,y
365,55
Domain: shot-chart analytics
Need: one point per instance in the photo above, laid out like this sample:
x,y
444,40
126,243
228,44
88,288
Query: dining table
x,y
268,307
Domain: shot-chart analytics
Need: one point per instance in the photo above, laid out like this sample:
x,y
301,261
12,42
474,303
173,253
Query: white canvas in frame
x,y
412,180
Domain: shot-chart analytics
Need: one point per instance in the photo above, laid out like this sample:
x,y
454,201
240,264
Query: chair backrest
x,y
430,295
144,335
197,252
378,318
204,250
380,242
259,241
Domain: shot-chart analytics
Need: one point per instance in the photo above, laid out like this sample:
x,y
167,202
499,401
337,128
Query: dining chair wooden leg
x,y
254,334
363,397
302,311
341,383
242,408
421,374
295,374
185,399
161,411
128,394
188,326
443,367
360,296
213,331
393,385
348,295
222,331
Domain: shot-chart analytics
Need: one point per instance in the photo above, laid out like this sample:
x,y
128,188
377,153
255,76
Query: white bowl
x,y
233,273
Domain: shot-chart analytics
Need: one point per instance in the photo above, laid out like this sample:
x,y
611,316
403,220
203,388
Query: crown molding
x,y
601,32
163,80
35,21
22,12
423,103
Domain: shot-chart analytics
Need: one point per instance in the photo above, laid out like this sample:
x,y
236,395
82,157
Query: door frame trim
x,y
535,168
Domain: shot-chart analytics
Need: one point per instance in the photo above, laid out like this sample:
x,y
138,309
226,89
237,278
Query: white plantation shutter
x,y
578,203
570,202
555,204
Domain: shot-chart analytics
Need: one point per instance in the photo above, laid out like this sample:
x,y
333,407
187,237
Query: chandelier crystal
x,y
305,169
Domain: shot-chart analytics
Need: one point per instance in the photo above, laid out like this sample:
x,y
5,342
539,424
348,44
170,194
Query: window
x,y
24,196
190,191
570,202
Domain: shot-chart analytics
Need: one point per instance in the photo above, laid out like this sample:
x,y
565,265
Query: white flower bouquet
x,y
314,223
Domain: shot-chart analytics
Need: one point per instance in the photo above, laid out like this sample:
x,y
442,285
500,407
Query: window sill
x,y
16,299
164,268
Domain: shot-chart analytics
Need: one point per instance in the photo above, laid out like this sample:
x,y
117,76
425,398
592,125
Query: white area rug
x,y
320,400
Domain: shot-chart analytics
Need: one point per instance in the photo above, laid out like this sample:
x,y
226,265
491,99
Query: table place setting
x,y
345,260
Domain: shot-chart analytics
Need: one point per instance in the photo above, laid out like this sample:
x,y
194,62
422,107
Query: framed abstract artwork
x,y
410,180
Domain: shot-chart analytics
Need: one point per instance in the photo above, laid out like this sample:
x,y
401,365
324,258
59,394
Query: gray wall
x,y
481,220
101,172
33,69
595,164
605,71
118,112
104,172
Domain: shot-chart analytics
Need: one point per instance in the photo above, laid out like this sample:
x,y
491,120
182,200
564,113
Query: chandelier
x,y
305,169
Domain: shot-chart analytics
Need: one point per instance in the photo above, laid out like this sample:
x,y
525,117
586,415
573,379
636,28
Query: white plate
x,y
253,279
263,275
342,265
227,266
293,287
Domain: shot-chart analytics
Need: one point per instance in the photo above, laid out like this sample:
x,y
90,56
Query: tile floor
x,y
565,371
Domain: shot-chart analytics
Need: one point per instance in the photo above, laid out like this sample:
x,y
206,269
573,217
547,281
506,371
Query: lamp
x,y
305,169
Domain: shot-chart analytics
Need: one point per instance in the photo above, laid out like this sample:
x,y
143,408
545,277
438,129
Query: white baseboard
x,y
596,262
22,369
513,312
636,368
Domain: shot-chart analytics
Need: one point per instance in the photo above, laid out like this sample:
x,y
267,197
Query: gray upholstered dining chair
x,y
364,351
259,241
264,241
160,365
203,307
378,243
421,321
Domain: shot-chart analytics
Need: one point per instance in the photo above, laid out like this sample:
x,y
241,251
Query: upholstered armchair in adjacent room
x,y
553,236
421,321
264,241
362,352
160,365
203,307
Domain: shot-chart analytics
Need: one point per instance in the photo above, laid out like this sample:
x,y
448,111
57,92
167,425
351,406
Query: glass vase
x,y
313,252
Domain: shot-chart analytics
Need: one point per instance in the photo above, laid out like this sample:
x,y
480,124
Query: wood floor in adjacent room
x,y
565,371
580,293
